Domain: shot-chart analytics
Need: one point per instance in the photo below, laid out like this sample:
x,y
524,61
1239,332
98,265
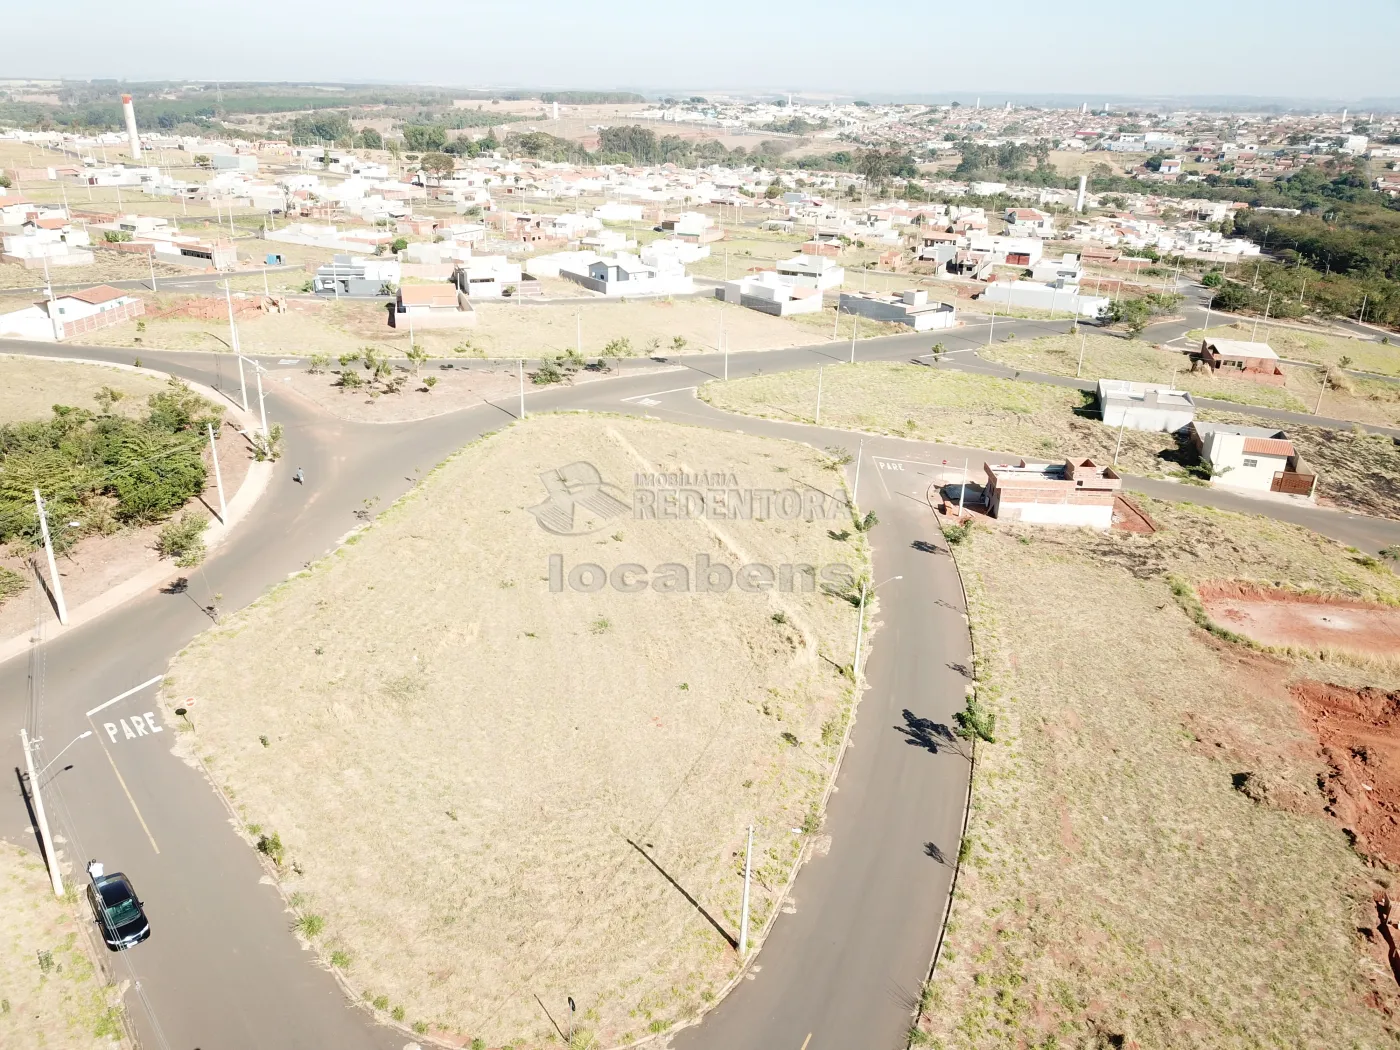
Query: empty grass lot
x,y
1108,358
960,408
53,997
1318,347
30,387
484,788
1117,890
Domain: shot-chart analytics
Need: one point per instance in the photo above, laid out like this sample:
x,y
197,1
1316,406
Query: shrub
x,y
319,363
957,534
268,446
182,538
11,583
271,847
974,720
310,925
340,960
619,347
177,408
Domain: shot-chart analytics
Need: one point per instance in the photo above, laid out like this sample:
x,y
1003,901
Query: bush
x,y
619,347
268,446
12,583
975,721
178,408
958,534
182,538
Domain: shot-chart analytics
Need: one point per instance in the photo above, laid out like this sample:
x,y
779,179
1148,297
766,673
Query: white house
x,y
72,314
1259,459
815,271
487,276
1066,269
431,306
1053,297
624,274
910,307
1145,406
1029,222
771,293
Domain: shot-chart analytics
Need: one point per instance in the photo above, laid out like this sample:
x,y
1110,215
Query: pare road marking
x,y
133,728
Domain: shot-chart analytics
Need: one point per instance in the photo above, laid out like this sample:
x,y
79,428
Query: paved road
x,y
222,969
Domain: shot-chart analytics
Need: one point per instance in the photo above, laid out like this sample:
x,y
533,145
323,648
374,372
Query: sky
x,y
1265,48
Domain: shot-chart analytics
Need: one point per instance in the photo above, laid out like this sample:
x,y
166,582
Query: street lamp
x,y
860,623
80,736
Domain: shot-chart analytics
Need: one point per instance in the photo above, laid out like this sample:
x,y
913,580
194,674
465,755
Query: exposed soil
x,y
1358,732
1285,618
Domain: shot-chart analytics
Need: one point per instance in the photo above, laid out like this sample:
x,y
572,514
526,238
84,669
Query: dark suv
x,y
119,912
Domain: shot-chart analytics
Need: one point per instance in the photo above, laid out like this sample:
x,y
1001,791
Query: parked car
x,y
119,911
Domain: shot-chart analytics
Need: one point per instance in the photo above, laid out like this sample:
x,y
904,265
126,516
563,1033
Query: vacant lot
x,y
543,762
1108,358
1317,347
107,265
1122,886
53,997
504,330
1040,421
30,387
1027,419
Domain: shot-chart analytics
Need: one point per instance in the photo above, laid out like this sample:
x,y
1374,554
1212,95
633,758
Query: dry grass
x,y
30,387
1036,420
457,757
503,329
1108,358
1117,890
51,997
107,265
1318,347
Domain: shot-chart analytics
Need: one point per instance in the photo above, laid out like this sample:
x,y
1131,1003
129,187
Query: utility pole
x,y
836,328
45,837
262,406
1084,338
1361,317
53,566
992,327
242,384
962,491
1119,444
1321,390
744,909
218,475
819,394
151,258
855,325
860,454
521,414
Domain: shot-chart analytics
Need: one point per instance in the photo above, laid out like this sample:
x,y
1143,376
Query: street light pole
x,y
218,475
855,324
522,389
855,492
53,566
41,817
860,625
262,406
81,736
744,909
819,394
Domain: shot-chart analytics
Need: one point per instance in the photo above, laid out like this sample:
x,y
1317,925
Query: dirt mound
x,y
1307,621
1358,733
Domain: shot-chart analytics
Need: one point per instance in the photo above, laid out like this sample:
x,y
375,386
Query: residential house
x,y
72,314
1067,269
1053,296
1145,406
1075,492
1029,222
770,292
348,275
36,247
1170,166
431,306
910,307
814,271
488,277
624,274
1256,361
1261,459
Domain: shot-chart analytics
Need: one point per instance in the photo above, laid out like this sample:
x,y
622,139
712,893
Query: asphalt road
x,y
223,969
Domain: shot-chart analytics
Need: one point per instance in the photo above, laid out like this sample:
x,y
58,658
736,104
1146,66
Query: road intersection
x,y
843,963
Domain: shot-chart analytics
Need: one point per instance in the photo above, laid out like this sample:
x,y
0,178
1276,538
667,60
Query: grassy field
x,y
503,329
53,998
540,763
1116,888
107,265
29,388
1028,419
1318,347
1106,357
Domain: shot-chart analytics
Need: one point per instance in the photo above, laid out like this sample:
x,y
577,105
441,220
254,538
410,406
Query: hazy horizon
x,y
1250,49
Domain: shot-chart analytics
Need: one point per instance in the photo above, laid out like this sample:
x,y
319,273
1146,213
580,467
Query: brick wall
x,y
103,319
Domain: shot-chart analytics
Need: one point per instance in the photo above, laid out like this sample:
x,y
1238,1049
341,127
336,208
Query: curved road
x,y
222,970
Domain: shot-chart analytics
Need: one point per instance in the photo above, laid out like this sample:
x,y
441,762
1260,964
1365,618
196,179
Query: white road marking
x,y
648,401
123,696
289,360
657,393
137,726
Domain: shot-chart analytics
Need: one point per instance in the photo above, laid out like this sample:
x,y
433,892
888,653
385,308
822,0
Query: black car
x,y
119,912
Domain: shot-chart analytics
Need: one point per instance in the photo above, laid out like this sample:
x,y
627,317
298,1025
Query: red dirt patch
x,y
1358,732
1284,618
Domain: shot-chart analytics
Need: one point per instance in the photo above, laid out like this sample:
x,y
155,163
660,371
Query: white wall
x,y
1058,514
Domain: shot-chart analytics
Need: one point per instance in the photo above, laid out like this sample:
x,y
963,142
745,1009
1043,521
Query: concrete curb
x,y
254,485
